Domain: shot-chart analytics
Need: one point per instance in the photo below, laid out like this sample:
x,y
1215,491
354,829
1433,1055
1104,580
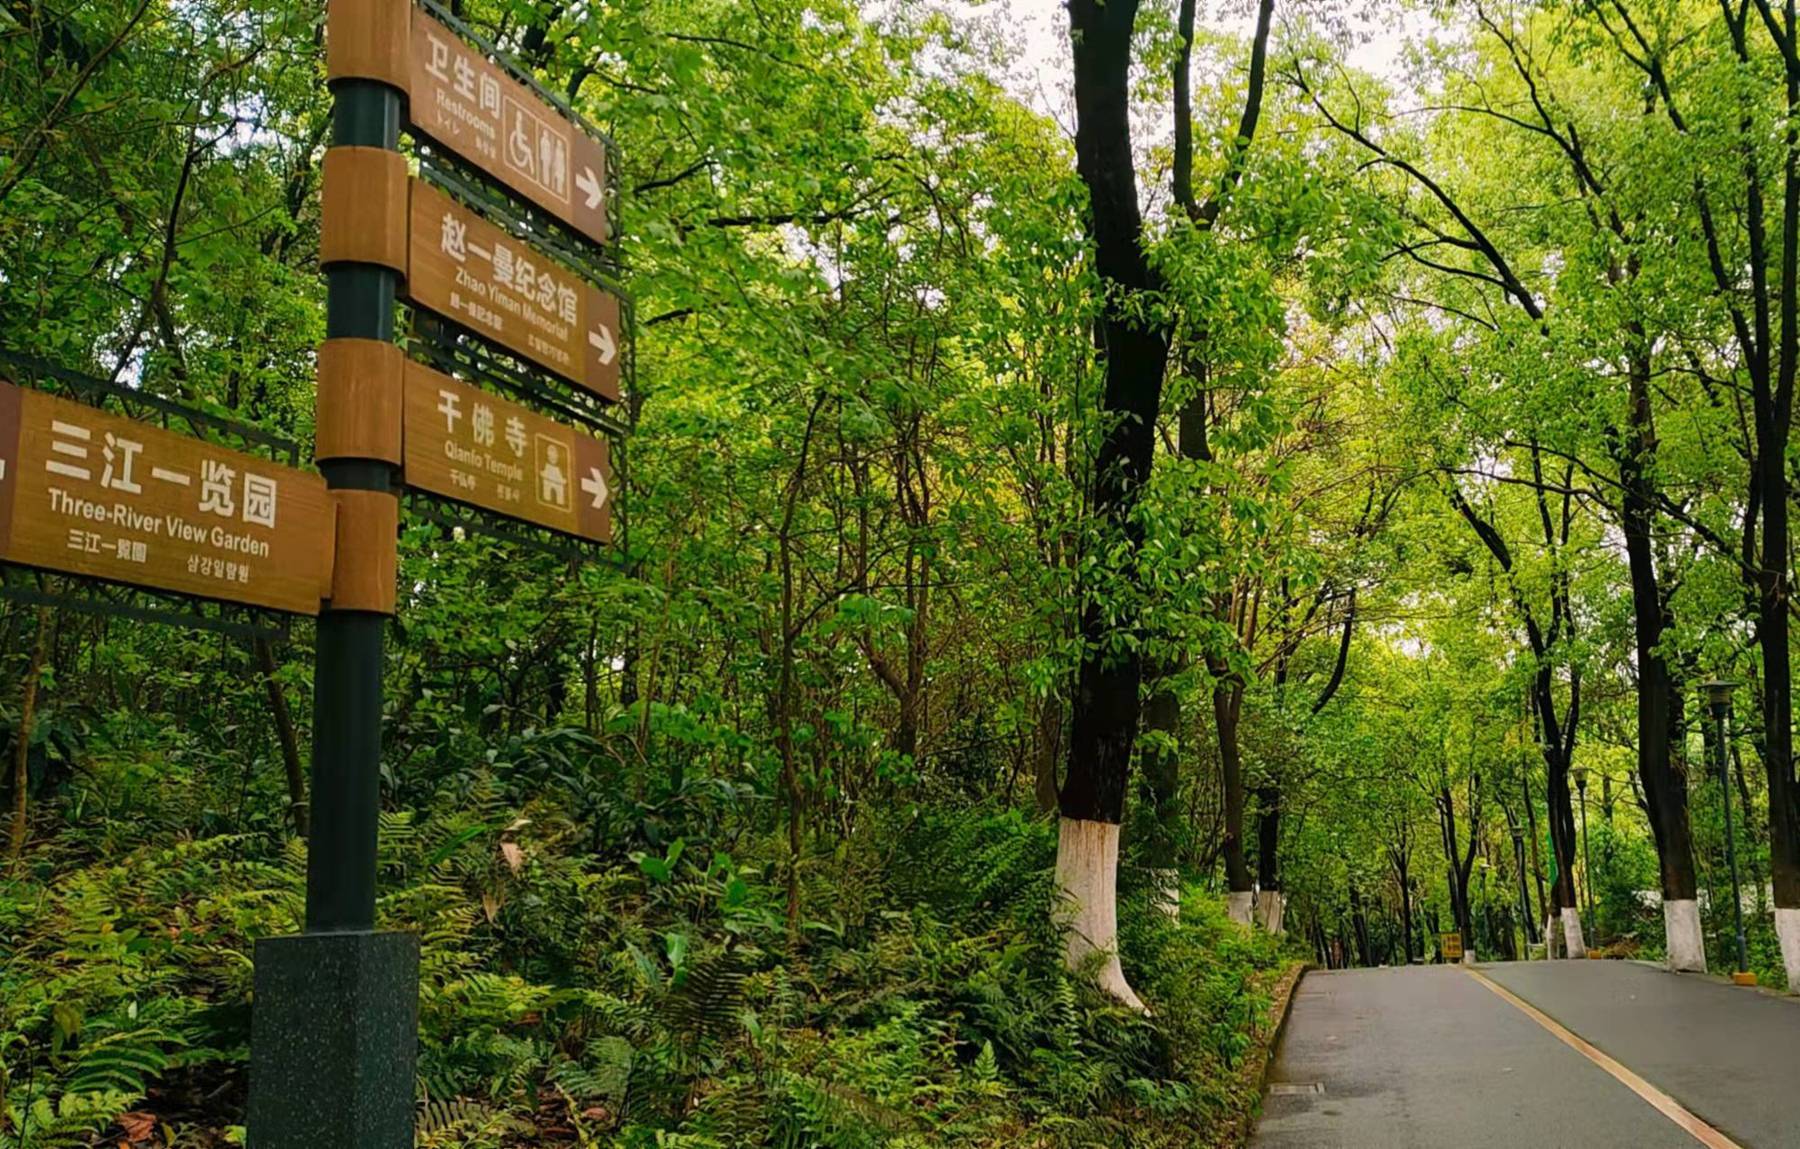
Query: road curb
x,y
1770,991
1257,1071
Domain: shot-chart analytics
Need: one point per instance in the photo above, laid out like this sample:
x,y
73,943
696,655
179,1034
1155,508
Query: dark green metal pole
x,y
1587,862
1518,837
1721,708
346,791
335,1026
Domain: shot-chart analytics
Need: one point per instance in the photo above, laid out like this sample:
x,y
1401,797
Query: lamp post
x,y
1587,858
1518,837
1718,700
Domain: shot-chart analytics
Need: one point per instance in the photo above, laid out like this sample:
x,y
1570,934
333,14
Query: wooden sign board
x,y
501,288
1452,946
477,448
88,493
471,106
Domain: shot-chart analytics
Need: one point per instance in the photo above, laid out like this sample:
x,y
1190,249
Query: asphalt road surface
x,y
1431,1057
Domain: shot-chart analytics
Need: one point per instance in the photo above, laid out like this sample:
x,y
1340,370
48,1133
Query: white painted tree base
x,y
1573,943
1686,945
1087,876
1165,892
1552,940
1240,907
1270,907
1787,928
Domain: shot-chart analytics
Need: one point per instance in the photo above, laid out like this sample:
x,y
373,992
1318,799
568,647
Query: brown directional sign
x,y
463,267
473,107
88,493
474,447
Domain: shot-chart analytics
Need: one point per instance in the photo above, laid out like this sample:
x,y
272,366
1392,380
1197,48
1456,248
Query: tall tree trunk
x,y
284,733
1105,721
1537,858
1047,751
1665,790
1228,698
40,652
1359,924
1270,905
1406,915
1157,825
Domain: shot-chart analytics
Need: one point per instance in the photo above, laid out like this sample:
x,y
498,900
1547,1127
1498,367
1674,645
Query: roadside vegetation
x,y
1296,486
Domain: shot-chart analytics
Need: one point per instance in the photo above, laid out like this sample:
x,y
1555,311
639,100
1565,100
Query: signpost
x,y
467,269
471,446
470,106
1452,946
88,493
334,1032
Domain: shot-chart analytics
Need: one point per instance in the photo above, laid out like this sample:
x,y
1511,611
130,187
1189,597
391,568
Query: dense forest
x,y
1099,525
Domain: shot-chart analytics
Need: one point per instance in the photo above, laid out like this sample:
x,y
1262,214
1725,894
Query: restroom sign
x,y
477,109
84,492
471,446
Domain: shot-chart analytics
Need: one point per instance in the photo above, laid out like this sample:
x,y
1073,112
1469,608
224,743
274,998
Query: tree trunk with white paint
x,y
1787,928
1270,906
1240,907
1573,942
1165,892
1105,707
1685,944
1087,876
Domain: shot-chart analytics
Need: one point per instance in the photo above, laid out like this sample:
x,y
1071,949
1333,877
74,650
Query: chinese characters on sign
x,y
472,107
89,493
475,447
465,268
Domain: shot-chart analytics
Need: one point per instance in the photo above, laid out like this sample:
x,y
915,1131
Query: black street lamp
x,y
1587,858
1718,699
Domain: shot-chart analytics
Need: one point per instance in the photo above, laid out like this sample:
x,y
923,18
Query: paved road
x,y
1731,1056
1430,1057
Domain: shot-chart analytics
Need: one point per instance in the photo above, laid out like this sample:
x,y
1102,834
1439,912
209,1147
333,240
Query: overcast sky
x,y
1042,29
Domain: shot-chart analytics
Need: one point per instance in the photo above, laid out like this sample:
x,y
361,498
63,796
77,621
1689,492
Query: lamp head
x,y
1579,773
1718,694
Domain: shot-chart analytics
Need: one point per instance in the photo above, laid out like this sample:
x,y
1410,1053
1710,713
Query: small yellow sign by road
x,y
84,492
1452,946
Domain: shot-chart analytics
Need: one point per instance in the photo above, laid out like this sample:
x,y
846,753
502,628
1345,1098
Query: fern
x,y
707,1003
70,1124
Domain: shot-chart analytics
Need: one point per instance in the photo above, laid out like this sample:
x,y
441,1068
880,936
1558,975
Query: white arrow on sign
x,y
595,485
602,339
589,183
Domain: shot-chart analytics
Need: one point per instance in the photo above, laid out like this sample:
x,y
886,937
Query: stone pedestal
x,y
334,1041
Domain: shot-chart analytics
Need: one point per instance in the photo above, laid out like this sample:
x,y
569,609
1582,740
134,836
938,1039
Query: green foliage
x,y
565,991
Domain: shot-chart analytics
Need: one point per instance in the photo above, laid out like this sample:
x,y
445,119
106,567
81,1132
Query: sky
x,y
1041,28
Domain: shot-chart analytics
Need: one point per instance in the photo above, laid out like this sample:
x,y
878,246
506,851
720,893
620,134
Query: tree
x,y
1091,800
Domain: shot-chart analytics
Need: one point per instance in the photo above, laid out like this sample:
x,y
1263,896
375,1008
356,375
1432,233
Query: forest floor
x,y
644,996
1432,1056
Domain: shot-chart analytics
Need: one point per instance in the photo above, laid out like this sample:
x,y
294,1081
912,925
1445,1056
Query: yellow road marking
x,y
1662,1102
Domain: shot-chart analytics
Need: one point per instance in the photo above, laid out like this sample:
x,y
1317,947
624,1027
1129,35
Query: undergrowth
x,y
645,993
